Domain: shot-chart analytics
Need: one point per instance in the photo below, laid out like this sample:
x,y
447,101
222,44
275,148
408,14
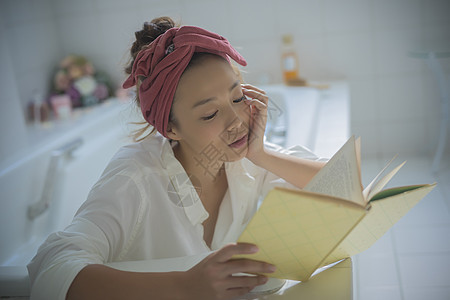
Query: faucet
x,y
39,207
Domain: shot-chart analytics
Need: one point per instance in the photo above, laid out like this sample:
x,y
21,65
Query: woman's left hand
x,y
258,103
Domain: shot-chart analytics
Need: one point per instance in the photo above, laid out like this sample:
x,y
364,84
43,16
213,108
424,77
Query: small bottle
x,y
34,108
289,60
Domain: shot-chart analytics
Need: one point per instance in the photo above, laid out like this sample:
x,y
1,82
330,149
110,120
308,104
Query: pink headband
x,y
163,62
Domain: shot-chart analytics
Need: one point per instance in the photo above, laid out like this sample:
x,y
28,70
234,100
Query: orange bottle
x,y
289,60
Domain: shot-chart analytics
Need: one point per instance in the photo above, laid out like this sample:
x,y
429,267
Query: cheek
x,y
209,132
245,113
217,130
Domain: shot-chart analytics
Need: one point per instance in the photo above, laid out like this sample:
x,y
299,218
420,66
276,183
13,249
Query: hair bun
x,y
149,32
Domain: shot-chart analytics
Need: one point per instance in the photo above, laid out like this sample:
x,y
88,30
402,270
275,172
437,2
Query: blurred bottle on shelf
x,y
290,66
289,60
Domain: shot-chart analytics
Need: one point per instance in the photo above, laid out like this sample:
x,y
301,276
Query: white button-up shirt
x,y
144,207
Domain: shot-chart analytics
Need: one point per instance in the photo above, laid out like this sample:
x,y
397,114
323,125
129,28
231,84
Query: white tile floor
x,y
412,261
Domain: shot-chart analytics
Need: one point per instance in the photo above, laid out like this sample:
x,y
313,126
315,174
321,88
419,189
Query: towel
x,y
161,64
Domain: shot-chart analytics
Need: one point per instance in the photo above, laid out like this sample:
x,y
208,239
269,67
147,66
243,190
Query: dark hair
x,y
149,32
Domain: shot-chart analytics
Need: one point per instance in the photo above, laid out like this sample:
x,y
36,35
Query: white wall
x,y
394,100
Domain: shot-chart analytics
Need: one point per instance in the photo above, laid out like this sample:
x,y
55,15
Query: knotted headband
x,y
163,62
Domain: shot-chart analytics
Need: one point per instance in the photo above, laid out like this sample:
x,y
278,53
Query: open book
x,y
332,218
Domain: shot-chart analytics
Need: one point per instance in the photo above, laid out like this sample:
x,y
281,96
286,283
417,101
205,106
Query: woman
x,y
186,189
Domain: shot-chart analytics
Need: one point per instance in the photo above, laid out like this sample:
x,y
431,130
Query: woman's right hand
x,y
212,277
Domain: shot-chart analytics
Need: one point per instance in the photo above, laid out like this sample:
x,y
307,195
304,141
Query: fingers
x,y
252,87
246,281
214,274
241,285
225,254
259,104
255,93
237,292
230,250
248,266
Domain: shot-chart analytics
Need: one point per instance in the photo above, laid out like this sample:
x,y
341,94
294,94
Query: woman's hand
x,y
258,103
212,277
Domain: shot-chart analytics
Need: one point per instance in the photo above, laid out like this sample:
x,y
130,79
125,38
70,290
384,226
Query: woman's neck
x,y
197,167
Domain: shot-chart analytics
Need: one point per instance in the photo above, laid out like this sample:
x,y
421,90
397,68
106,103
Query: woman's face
x,y
210,112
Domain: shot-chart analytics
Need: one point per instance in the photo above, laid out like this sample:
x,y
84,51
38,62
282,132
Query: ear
x,y
172,132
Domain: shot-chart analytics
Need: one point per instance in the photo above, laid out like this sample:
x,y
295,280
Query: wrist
x,y
259,158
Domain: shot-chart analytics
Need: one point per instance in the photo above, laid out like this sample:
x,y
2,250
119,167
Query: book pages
x,y
383,181
340,177
296,230
384,213
369,187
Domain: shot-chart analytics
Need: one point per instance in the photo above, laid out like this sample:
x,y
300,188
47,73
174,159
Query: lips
x,y
238,139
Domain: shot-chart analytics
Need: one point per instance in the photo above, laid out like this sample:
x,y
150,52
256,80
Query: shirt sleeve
x,y
270,180
102,230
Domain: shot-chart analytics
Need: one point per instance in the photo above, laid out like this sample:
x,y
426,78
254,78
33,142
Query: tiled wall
x,y
394,100
30,48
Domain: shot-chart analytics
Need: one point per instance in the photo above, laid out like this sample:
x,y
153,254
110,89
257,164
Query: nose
x,y
234,120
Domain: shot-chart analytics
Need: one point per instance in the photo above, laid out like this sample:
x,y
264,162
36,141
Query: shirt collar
x,y
188,197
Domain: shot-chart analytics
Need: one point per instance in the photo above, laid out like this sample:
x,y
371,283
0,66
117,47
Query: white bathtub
x,y
95,136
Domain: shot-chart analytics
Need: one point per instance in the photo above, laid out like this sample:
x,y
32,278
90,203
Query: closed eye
x,y
210,116
239,100
214,114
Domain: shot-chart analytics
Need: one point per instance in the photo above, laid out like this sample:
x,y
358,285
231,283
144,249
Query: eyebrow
x,y
204,101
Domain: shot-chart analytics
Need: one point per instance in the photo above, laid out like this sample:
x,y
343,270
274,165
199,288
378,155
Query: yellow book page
x,y
296,230
383,214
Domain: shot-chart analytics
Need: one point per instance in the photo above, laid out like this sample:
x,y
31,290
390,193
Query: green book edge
x,y
395,191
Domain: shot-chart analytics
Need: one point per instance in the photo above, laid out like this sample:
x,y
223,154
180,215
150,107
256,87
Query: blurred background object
x,y
77,78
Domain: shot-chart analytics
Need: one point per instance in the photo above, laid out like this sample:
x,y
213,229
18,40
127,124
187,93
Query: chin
x,y
237,154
